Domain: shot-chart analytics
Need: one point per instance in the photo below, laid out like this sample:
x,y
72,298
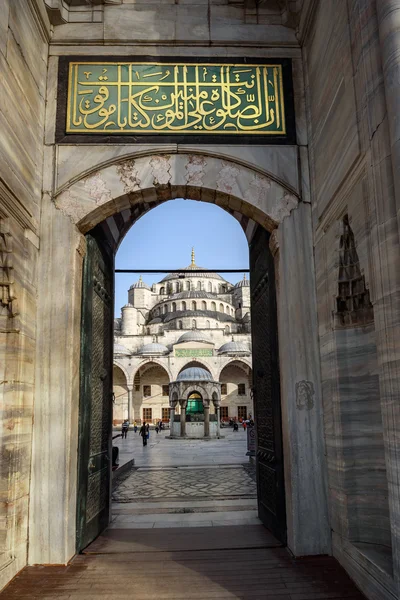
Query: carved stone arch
x,y
132,187
233,359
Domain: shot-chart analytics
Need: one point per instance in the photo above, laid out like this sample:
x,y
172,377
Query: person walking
x,y
143,433
148,431
125,427
135,427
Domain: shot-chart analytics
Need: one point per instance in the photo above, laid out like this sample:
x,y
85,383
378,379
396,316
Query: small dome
x,y
128,305
153,349
194,336
140,284
234,348
243,282
194,374
119,349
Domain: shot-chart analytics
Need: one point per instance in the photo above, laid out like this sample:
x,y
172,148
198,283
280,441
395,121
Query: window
x,y
224,412
177,286
194,306
242,412
208,325
165,308
165,415
165,390
213,306
227,310
183,305
199,285
227,330
224,389
188,285
174,307
209,286
221,308
147,391
148,331
147,414
180,325
242,389
162,290
194,324
204,305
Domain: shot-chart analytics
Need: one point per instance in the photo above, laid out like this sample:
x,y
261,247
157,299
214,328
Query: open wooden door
x,y
95,412
266,387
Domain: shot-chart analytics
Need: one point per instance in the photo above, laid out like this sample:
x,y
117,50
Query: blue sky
x,y
163,239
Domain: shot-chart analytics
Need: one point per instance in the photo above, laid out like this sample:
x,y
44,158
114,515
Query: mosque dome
x,y
188,272
194,336
194,374
140,284
119,349
234,348
243,282
153,349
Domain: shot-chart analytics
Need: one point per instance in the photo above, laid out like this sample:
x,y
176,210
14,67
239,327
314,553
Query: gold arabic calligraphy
x,y
168,98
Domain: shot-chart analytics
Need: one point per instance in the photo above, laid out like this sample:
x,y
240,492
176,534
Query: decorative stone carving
x,y
284,208
274,242
226,180
129,176
161,169
195,170
71,206
304,395
97,189
257,189
8,299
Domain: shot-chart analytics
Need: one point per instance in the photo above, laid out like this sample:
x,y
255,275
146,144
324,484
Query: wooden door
x,y
266,387
95,412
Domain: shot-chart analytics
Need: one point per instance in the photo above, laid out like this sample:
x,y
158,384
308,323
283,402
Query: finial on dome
x,y
244,277
140,279
193,263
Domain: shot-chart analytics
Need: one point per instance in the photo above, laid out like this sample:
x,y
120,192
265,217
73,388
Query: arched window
x,y
177,286
148,331
204,305
227,310
183,305
209,286
162,290
180,325
221,308
194,325
165,309
188,285
232,312
208,324
227,329
199,285
194,305
213,306
173,306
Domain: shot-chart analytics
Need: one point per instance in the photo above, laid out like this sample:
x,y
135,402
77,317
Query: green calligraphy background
x,y
193,352
175,98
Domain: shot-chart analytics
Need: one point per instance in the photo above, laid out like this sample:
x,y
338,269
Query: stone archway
x,y
113,197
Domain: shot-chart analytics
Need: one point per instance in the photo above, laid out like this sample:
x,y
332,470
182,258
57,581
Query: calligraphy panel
x,y
170,98
193,352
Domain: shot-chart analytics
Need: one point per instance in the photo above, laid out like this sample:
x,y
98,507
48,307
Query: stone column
x,y
183,404
171,418
206,404
218,414
302,423
130,394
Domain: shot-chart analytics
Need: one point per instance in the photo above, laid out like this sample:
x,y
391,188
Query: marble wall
x,y
24,35
351,174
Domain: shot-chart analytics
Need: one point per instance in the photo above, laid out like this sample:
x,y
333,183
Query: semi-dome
x,y
140,284
194,336
194,374
119,349
153,349
243,282
234,348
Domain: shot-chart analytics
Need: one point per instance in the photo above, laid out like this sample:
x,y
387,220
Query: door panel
x,y
95,410
266,387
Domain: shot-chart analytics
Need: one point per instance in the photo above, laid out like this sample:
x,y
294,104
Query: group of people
x,y
144,430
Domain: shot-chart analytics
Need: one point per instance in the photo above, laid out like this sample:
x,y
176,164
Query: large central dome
x,y
188,272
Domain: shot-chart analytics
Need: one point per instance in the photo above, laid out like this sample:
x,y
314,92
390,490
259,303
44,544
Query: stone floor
x,y
185,527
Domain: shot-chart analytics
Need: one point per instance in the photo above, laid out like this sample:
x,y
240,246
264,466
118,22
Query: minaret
x,y
193,264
